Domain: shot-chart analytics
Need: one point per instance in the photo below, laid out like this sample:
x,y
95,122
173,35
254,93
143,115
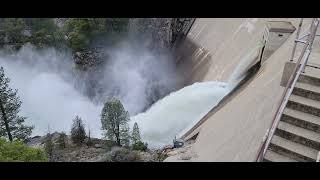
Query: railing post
x,y
295,42
313,31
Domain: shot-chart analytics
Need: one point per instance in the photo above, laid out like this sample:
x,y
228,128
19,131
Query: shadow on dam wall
x,y
192,62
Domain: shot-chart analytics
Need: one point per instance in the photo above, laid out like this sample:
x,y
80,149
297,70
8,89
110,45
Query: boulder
x,y
89,57
98,146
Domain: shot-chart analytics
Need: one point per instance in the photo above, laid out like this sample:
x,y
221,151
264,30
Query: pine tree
x,y
135,133
62,140
114,120
78,133
11,124
89,143
125,135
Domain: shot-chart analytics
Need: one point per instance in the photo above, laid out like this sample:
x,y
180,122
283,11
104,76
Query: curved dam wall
x,y
212,51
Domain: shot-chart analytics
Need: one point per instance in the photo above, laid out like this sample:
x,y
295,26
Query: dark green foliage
x,y
114,120
135,133
42,32
140,146
78,133
18,152
62,140
87,26
78,41
37,24
161,156
125,136
82,31
11,124
14,28
2,37
41,38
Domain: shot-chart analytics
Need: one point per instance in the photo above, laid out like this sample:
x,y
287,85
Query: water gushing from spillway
x,y
179,111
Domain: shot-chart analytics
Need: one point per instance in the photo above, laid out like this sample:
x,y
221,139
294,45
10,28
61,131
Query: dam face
x,y
214,50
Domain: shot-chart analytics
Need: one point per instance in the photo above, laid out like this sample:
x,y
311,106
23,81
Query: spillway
x,y
181,110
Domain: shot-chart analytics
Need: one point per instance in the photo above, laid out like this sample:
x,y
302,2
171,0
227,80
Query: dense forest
x,y
75,33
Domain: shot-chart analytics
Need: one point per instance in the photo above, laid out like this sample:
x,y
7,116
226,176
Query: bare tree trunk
x,y
118,135
6,123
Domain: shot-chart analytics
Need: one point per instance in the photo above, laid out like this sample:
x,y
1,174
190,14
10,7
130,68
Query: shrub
x,y
140,146
162,157
134,156
18,152
110,143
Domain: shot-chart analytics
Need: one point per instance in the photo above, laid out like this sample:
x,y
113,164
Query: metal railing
x,y
299,68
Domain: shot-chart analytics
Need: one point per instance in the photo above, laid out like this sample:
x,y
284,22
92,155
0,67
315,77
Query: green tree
x,y
137,143
19,152
78,41
62,140
37,24
81,32
114,120
125,135
14,28
43,31
11,124
78,133
135,133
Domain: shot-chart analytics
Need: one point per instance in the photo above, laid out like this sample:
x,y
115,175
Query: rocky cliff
x,y
160,32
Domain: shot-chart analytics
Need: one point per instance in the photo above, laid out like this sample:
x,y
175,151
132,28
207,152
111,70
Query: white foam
x,y
181,110
178,111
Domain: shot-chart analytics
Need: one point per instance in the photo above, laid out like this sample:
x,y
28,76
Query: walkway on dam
x,y
295,133
236,131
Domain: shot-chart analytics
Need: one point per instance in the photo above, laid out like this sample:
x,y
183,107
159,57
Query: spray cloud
x,y
48,84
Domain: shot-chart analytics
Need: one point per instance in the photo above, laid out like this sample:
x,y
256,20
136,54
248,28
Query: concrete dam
x,y
248,55
201,89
